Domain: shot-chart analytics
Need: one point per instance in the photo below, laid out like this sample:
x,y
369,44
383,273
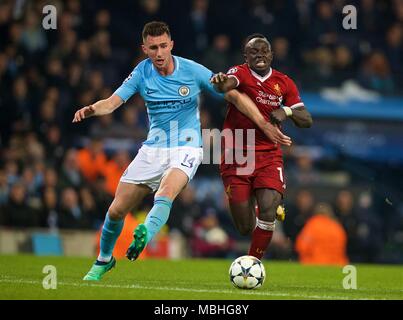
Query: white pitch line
x,y
269,294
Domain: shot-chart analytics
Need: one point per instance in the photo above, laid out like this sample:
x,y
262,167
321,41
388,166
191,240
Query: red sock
x,y
260,241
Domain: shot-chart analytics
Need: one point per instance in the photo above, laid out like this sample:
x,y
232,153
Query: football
x,y
247,272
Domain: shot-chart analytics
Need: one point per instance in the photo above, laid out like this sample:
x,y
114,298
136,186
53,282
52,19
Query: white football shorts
x,y
151,164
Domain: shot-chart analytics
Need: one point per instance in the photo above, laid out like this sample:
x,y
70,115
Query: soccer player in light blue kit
x,y
169,158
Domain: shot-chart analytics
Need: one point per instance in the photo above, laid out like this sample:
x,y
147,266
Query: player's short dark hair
x,y
253,36
155,29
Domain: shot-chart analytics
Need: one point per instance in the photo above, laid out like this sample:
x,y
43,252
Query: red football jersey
x,y
269,93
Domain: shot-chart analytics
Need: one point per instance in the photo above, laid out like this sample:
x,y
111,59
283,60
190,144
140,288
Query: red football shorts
x,y
268,173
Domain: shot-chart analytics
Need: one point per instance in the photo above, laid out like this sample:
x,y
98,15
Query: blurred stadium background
x,y
58,179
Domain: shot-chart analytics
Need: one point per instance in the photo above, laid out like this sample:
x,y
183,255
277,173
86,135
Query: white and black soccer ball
x,y
247,272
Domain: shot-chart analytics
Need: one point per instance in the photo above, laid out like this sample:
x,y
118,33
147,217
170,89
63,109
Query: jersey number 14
x,y
188,162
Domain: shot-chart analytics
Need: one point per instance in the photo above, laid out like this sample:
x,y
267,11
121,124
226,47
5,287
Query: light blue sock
x,y
110,233
158,216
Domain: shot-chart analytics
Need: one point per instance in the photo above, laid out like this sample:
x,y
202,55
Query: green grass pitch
x,y
21,277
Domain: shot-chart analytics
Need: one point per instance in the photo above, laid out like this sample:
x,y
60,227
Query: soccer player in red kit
x,y
277,98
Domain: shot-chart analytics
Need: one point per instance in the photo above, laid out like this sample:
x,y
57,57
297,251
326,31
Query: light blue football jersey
x,y
172,101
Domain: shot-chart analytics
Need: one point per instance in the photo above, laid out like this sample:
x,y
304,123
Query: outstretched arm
x,y
223,83
245,105
99,108
227,84
300,116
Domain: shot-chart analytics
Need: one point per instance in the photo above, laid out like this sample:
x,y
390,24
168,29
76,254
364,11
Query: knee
x,y
245,229
166,191
267,209
116,213
268,213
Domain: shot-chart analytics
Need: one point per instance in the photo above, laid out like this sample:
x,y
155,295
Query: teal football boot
x,y
139,242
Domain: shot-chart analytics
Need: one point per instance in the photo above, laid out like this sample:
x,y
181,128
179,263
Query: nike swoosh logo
x,y
149,91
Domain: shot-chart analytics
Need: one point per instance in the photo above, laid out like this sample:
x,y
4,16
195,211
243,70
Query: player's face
x,y
258,55
158,49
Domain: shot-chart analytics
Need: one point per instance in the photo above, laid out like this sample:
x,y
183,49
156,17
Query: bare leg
x,y
128,197
268,200
244,217
171,185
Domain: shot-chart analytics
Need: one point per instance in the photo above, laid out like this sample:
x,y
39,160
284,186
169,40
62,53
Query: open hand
x,y
84,113
219,78
275,134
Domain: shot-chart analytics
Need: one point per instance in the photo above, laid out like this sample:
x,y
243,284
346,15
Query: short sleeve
x,y
292,98
237,74
130,85
203,76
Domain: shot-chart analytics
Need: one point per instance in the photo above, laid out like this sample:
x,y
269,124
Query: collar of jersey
x,y
259,77
176,68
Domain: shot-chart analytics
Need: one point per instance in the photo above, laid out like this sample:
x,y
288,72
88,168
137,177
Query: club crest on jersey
x,y
276,88
184,91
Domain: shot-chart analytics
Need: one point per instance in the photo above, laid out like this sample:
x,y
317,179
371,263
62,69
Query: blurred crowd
x,y
54,174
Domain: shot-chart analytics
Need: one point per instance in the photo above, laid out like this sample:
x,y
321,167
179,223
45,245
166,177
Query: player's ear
x,y
245,57
172,44
144,49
